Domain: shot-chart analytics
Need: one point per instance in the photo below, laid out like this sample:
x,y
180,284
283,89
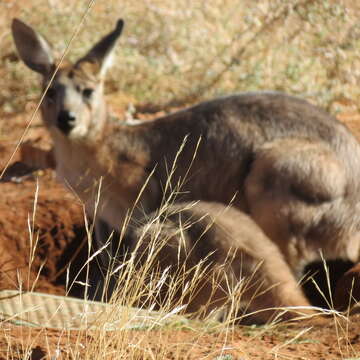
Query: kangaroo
x,y
241,270
292,167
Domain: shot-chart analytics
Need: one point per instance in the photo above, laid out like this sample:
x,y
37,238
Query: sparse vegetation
x,y
180,52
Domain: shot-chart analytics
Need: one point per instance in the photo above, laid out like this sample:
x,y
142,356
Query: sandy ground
x,y
298,341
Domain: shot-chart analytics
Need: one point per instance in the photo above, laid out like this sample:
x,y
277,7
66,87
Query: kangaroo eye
x,y
87,92
51,94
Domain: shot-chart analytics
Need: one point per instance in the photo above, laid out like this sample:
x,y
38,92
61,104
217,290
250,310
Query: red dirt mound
x,y
57,217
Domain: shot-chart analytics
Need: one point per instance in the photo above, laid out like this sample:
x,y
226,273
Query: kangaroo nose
x,y
66,121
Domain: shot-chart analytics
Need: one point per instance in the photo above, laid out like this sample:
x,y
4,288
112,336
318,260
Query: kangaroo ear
x,y
33,49
100,54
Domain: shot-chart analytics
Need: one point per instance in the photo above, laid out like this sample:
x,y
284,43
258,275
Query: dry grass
x,y
182,51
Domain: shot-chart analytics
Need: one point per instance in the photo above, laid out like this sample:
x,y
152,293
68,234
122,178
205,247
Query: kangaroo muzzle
x,y
66,121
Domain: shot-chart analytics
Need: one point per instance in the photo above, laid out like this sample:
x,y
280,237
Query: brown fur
x,y
237,259
291,166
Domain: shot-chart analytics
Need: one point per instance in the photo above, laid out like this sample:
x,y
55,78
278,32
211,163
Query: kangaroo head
x,y
74,105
